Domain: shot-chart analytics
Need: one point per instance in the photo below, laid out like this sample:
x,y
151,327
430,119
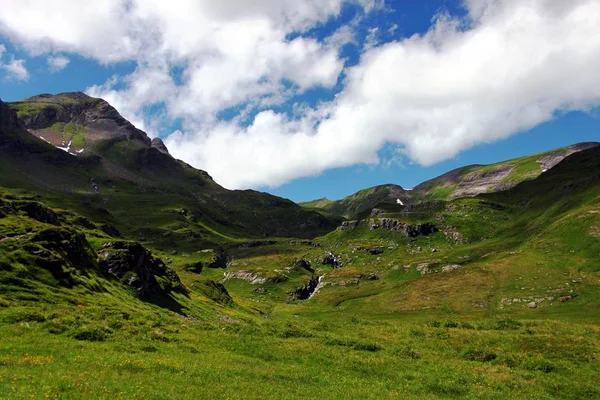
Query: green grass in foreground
x,y
148,353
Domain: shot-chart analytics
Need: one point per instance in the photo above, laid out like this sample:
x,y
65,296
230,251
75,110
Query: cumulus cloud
x,y
14,69
57,63
516,65
507,66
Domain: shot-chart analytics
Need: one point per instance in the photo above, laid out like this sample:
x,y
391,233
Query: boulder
x,y
331,259
220,259
450,268
135,266
40,213
303,264
304,292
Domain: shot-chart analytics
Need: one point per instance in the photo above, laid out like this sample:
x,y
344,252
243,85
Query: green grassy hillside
x,y
350,206
131,285
121,180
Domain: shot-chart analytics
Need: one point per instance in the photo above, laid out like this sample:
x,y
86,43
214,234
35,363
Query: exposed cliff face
x,y
477,179
8,118
550,160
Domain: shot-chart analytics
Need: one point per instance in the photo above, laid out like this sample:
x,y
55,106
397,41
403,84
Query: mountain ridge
x,y
465,181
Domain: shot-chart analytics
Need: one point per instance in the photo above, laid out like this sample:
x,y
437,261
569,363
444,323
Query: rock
x,y
564,299
303,264
256,243
424,269
215,291
449,268
304,292
158,144
377,211
533,304
260,290
349,225
453,235
254,278
110,230
40,213
135,266
332,260
84,222
370,250
228,320
369,277
220,259
196,267
404,228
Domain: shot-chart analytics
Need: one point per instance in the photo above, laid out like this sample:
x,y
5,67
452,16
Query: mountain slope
x,y
466,181
113,173
352,205
475,179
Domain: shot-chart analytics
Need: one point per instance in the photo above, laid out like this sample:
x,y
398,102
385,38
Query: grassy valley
x,y
125,273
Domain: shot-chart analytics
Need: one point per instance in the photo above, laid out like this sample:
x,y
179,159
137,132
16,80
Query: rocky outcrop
x,y
349,225
305,292
376,250
331,259
406,229
214,291
135,266
67,247
254,278
40,213
220,259
159,145
550,160
302,265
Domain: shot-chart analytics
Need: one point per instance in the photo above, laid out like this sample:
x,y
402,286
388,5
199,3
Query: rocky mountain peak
x,y
158,144
75,121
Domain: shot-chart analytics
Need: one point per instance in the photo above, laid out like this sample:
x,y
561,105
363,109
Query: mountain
x,y
78,152
466,181
472,180
125,273
362,200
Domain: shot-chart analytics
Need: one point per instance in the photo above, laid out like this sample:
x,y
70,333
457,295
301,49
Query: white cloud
x,y
510,66
15,69
57,63
434,95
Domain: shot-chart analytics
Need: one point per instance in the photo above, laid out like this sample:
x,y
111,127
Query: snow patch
x,y
65,148
399,202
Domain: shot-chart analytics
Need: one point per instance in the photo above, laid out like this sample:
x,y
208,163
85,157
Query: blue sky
x,y
309,100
